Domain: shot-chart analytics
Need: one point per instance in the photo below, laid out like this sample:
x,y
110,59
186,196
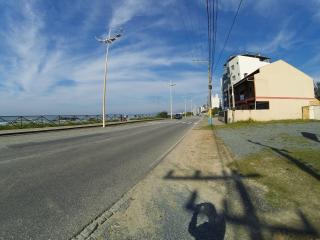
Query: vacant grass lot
x,y
286,156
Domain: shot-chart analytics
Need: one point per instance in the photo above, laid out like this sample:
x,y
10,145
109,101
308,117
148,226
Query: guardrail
x,y
63,120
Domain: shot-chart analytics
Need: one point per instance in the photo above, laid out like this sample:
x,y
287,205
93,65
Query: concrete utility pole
x,y
171,85
210,94
209,88
191,103
107,42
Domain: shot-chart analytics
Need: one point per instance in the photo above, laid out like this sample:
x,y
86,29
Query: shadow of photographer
x,y
212,229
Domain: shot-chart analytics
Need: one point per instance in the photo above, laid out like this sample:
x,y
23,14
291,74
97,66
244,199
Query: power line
x,y
230,30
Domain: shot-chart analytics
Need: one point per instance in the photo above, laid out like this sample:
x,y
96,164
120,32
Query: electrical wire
x,y
229,33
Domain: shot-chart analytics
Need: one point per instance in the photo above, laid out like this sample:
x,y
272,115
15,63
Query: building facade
x,y
236,68
215,101
272,92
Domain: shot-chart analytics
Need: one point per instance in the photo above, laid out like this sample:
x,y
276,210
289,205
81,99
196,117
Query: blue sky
x,y
50,62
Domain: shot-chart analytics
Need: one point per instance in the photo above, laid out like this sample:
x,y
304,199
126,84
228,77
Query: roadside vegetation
x,y
29,124
43,125
252,123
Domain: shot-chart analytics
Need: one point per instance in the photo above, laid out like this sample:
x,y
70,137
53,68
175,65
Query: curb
x,y
92,231
53,129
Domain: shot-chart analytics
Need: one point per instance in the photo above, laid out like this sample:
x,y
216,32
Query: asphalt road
x,y
53,184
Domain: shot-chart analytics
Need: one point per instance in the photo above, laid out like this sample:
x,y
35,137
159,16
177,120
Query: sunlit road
x,y
52,184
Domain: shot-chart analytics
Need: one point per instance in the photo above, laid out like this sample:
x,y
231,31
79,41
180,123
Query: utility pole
x,y
107,42
171,85
209,88
210,94
191,103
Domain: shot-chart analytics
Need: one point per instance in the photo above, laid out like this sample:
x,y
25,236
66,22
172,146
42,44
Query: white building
x,y
236,68
215,101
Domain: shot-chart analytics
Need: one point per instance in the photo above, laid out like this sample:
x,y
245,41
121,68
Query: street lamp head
x,y
109,40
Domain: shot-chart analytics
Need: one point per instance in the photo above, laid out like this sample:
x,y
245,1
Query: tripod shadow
x,y
215,226
311,136
307,168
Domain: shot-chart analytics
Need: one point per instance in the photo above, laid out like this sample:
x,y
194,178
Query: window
x,y
262,105
232,67
233,78
238,74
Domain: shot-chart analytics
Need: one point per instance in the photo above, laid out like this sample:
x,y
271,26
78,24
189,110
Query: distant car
x,y
178,116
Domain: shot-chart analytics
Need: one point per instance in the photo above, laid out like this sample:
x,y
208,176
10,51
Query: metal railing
x,y
60,120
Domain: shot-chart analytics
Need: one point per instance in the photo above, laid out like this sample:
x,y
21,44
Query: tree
x,y
163,114
317,90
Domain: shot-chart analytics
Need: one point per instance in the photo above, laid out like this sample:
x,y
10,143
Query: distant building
x,y
215,101
203,109
236,68
272,92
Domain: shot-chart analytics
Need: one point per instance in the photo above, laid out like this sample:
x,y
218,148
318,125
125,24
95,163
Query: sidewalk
x,y
192,194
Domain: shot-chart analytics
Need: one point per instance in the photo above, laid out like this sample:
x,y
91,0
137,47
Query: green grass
x,y
262,123
205,127
287,185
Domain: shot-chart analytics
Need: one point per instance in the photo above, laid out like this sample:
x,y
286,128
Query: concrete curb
x,y
95,229
50,129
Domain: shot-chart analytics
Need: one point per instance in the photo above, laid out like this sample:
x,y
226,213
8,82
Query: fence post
x,y
20,121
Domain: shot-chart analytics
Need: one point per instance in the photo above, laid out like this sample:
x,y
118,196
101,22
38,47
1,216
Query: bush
x,y
163,114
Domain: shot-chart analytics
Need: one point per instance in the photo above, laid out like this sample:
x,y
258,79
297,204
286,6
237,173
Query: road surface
x,y
53,184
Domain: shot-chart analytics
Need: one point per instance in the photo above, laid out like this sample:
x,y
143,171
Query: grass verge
x,y
252,123
288,186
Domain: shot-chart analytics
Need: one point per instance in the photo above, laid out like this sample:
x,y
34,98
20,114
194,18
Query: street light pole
x,y
185,108
106,41
105,84
171,86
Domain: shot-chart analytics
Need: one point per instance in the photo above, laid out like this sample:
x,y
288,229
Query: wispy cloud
x,y
284,39
50,74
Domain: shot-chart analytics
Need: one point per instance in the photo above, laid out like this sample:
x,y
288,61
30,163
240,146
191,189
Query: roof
x,y
246,77
254,55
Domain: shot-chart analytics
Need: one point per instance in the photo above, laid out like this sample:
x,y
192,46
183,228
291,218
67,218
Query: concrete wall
x,y
281,80
314,112
280,109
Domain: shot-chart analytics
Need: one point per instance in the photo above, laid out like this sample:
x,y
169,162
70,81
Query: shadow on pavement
x,y
248,219
300,164
215,226
310,136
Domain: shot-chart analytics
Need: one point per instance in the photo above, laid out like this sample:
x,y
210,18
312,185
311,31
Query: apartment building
x,y
236,68
275,91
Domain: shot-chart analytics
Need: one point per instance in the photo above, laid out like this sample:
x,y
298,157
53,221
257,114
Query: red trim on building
x,y
300,98
246,100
